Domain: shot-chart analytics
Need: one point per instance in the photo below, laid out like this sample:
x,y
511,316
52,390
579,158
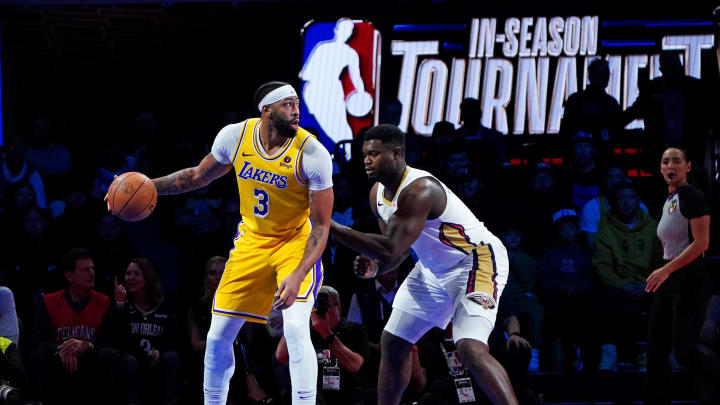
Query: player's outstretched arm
x,y
191,178
403,228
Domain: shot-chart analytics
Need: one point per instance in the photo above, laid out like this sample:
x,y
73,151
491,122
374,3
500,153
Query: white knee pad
x,y
407,326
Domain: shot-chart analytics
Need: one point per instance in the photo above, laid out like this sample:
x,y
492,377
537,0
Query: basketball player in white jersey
x,y
460,276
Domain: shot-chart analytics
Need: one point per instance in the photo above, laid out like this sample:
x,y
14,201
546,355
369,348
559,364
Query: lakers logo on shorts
x,y
483,299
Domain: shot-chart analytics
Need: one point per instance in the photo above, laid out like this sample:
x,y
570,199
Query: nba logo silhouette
x,y
340,78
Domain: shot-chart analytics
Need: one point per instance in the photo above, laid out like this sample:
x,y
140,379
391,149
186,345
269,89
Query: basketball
x,y
132,196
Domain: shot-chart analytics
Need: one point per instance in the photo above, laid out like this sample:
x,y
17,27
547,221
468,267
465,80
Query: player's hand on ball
x,y
365,267
106,198
288,290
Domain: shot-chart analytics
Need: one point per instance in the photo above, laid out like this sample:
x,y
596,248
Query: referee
x,y
681,286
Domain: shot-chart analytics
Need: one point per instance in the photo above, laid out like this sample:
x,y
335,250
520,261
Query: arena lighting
x,y
624,43
657,23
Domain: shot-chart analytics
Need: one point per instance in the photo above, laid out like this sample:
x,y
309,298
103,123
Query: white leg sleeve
x,y
219,358
303,362
407,326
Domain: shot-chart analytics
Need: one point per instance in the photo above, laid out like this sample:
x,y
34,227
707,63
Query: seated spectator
x,y
9,327
111,162
594,210
583,174
67,326
49,157
342,348
16,171
564,276
709,348
509,346
34,254
112,249
198,323
12,371
521,290
148,331
626,251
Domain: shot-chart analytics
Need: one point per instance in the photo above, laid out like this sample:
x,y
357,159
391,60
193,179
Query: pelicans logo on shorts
x,y
340,74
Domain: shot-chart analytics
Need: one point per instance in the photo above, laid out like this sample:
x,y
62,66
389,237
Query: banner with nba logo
x,y
340,79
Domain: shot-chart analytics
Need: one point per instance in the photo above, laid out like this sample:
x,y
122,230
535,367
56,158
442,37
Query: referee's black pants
x,y
676,315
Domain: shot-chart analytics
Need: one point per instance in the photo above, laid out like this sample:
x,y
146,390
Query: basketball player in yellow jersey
x,y
284,178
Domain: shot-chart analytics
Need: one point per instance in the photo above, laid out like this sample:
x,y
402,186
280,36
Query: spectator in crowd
x,y
49,157
9,326
148,331
709,347
522,292
35,254
509,345
592,110
68,324
564,276
626,251
491,143
12,371
674,110
583,175
546,195
198,322
112,249
594,210
17,172
111,162
342,348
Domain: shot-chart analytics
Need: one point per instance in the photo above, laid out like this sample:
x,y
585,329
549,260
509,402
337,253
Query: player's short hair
x,y
266,88
388,134
72,256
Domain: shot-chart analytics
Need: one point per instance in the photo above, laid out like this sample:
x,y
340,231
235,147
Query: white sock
x,y
303,361
219,358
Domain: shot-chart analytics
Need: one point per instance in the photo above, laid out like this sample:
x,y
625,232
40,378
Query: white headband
x,y
277,95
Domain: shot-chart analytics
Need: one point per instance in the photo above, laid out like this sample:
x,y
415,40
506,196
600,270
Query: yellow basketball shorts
x,y
255,269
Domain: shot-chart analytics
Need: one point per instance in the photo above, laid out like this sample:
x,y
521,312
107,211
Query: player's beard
x,y
283,127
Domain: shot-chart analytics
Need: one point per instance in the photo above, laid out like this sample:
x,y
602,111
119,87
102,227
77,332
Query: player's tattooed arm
x,y
191,178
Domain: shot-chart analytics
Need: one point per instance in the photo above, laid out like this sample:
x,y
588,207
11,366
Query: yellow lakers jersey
x,y
273,196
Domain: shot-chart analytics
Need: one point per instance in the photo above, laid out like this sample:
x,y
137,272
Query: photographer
x,y
341,347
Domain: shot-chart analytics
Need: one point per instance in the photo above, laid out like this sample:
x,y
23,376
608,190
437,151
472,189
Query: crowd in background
x,y
581,237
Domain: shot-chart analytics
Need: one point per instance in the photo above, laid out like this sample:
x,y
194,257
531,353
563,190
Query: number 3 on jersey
x,y
263,204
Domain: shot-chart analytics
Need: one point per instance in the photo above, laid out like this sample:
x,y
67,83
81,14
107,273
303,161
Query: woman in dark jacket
x,y
148,331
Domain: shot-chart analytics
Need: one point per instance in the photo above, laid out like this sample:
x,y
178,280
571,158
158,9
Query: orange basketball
x,y
132,196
